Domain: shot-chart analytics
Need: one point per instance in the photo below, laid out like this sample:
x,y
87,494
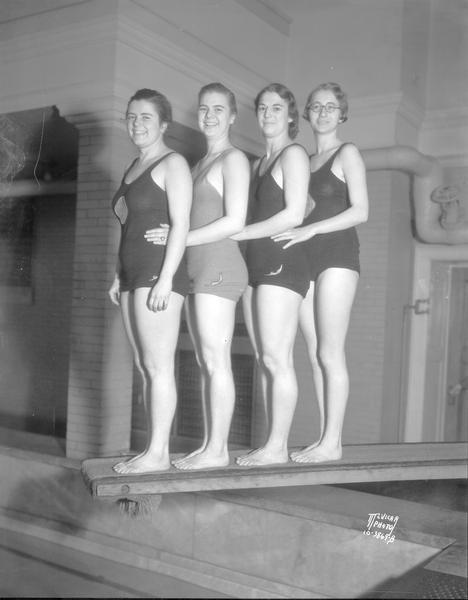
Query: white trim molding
x,y
268,14
424,255
444,133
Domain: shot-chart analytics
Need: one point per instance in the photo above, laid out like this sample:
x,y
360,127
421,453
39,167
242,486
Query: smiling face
x,y
143,123
323,120
273,115
214,114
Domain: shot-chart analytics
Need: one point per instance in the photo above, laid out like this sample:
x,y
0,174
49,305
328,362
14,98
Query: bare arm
x,y
178,182
114,290
294,169
178,186
354,173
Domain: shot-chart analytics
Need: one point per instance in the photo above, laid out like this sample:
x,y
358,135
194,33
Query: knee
x,y
141,365
138,366
274,361
331,358
154,369
314,359
214,361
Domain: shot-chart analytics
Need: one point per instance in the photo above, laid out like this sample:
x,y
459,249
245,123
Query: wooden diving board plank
x,y
376,462
360,463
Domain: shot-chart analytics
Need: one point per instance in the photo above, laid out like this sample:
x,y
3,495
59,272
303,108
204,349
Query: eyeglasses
x,y
329,107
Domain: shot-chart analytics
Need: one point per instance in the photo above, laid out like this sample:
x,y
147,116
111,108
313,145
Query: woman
x,y
217,271
278,279
151,282
338,187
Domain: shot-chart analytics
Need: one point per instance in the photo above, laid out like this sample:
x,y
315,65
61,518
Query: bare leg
x,y
155,334
307,326
125,303
215,325
250,318
195,337
278,314
335,291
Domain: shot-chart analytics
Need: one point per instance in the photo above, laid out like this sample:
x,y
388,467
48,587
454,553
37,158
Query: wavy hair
x,y
338,92
286,94
158,100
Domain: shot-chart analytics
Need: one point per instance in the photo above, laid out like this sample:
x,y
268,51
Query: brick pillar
x,y
100,376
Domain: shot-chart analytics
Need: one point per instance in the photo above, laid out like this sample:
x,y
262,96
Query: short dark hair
x,y
340,95
222,89
286,94
158,100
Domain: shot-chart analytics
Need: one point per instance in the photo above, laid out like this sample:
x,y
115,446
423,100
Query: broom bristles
x,y
144,506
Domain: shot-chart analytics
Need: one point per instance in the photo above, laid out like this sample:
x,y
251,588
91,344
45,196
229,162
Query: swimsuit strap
x,y
332,157
207,167
257,170
161,159
335,154
337,151
150,167
127,170
271,166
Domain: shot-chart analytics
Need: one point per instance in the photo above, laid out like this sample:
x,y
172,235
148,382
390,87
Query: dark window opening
x,y
16,241
188,424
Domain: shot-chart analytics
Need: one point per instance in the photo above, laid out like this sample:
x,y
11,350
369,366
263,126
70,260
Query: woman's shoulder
x,y
233,151
174,156
349,154
234,156
174,160
294,149
171,166
294,152
348,149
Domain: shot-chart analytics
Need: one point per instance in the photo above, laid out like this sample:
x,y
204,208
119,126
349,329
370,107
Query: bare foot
x,y
144,463
296,453
127,461
182,459
240,460
318,454
204,460
263,456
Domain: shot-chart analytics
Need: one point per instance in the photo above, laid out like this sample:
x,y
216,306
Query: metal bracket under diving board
x,y
360,463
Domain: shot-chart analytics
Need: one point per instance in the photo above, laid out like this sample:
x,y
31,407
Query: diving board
x,y
360,464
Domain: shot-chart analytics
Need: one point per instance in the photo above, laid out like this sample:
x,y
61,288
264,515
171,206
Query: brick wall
x,y
100,377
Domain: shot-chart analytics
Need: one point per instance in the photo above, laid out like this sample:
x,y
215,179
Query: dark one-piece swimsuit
x,y
267,262
338,248
139,206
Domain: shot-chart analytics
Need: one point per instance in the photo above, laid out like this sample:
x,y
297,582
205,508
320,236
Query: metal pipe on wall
x,y
427,177
29,188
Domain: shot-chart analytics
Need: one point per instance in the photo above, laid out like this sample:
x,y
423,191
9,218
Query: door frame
x,y
455,419
420,320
